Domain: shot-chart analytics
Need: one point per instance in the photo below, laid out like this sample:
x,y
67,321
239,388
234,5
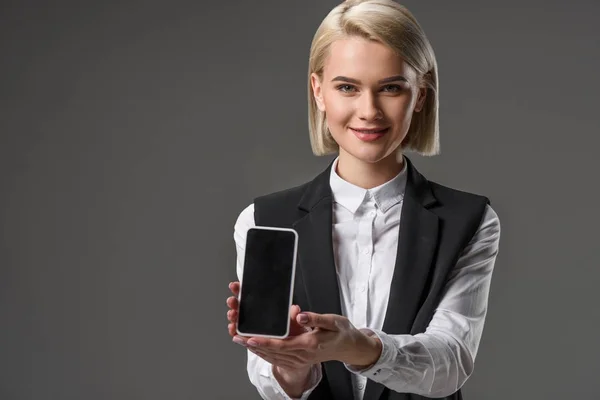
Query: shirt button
x,y
363,288
361,386
372,214
366,251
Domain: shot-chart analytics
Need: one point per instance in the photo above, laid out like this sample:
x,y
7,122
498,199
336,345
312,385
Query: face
x,y
369,95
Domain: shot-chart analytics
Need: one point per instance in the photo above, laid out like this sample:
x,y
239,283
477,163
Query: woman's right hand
x,y
290,378
232,313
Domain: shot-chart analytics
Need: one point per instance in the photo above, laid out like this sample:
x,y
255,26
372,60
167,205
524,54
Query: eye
x,y
392,88
345,88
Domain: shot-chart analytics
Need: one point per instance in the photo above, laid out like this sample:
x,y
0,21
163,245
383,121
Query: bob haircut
x,y
391,24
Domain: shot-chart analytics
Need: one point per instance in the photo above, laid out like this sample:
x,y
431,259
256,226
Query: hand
x,y
232,313
333,338
295,330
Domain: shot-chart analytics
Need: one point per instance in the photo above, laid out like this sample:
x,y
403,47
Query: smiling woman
x,y
369,93
393,270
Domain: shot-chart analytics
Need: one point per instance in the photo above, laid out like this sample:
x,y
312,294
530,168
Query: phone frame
x,y
287,331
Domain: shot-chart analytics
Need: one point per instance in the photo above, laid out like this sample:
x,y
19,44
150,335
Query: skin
x,y
367,104
364,85
314,338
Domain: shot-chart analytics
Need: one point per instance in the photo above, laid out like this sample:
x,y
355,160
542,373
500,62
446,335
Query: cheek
x,y
398,110
338,111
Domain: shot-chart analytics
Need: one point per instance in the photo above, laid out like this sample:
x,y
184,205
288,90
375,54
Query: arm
x,y
438,362
268,382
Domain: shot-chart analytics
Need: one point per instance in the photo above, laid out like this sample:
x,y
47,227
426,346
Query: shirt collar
x,y
351,196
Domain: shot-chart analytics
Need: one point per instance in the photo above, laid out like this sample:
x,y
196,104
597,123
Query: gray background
x,y
133,134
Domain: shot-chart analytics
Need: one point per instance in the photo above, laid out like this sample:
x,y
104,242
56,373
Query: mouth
x,y
369,135
370,130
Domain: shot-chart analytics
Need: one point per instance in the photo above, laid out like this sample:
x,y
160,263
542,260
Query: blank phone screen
x,y
267,282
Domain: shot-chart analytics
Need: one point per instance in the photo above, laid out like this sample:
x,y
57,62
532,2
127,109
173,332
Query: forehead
x,y
364,59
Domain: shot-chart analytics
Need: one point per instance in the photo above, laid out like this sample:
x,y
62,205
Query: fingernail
x,y
239,341
252,343
303,318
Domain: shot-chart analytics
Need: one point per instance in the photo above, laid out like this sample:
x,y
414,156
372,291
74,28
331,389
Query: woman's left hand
x,y
333,337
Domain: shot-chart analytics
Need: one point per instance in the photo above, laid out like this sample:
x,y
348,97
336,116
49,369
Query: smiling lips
x,y
369,134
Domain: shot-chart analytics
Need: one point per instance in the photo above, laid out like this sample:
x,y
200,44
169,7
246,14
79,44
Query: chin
x,y
370,156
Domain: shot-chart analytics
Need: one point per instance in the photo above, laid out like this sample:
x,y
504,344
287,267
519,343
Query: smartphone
x,y
267,282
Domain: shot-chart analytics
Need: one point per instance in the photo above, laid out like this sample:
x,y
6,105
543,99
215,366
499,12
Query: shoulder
x,y
490,222
277,203
283,197
246,218
280,208
458,203
462,207
448,200
458,198
244,221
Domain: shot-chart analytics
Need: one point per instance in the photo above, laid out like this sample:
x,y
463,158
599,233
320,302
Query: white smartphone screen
x,y
267,282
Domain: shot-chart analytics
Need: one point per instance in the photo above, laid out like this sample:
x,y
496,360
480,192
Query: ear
x,y
315,83
421,99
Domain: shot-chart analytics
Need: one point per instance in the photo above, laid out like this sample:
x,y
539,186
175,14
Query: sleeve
x,y
438,362
260,371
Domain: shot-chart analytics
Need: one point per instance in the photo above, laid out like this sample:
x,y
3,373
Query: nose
x,y
368,108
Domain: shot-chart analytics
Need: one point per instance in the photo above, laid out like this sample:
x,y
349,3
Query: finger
x,y
235,288
299,356
304,341
302,344
232,316
268,344
232,303
241,340
329,322
282,358
295,328
231,328
263,345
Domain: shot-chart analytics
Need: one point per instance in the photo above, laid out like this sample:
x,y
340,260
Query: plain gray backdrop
x,y
133,133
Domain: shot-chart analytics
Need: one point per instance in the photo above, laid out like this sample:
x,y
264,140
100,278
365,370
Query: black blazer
x,y
436,225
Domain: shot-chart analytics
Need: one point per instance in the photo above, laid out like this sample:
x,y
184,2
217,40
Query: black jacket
x,y
436,225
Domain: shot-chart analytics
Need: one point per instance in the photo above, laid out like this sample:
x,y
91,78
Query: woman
x,y
394,271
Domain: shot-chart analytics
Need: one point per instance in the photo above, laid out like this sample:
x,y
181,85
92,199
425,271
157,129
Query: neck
x,y
368,175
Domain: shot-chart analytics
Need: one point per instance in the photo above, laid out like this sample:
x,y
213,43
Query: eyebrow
x,y
357,82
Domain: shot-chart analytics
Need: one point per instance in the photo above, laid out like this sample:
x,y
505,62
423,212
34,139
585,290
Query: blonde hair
x,y
391,24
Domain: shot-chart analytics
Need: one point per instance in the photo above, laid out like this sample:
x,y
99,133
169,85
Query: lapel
x,y
417,243
317,266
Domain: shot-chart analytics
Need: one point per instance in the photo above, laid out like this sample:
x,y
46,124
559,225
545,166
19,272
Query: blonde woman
x,y
393,270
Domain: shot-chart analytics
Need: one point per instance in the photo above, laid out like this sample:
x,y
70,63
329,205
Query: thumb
x,y
314,320
295,327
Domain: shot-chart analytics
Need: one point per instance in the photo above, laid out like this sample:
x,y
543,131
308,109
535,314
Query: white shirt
x,y
435,363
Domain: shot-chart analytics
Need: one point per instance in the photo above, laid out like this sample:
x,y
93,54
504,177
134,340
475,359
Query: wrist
x,y
367,352
293,373
293,381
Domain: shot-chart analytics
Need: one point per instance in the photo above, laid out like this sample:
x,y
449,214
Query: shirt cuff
x,y
315,378
381,369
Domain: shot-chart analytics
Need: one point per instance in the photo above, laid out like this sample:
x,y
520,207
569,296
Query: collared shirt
x,y
365,229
